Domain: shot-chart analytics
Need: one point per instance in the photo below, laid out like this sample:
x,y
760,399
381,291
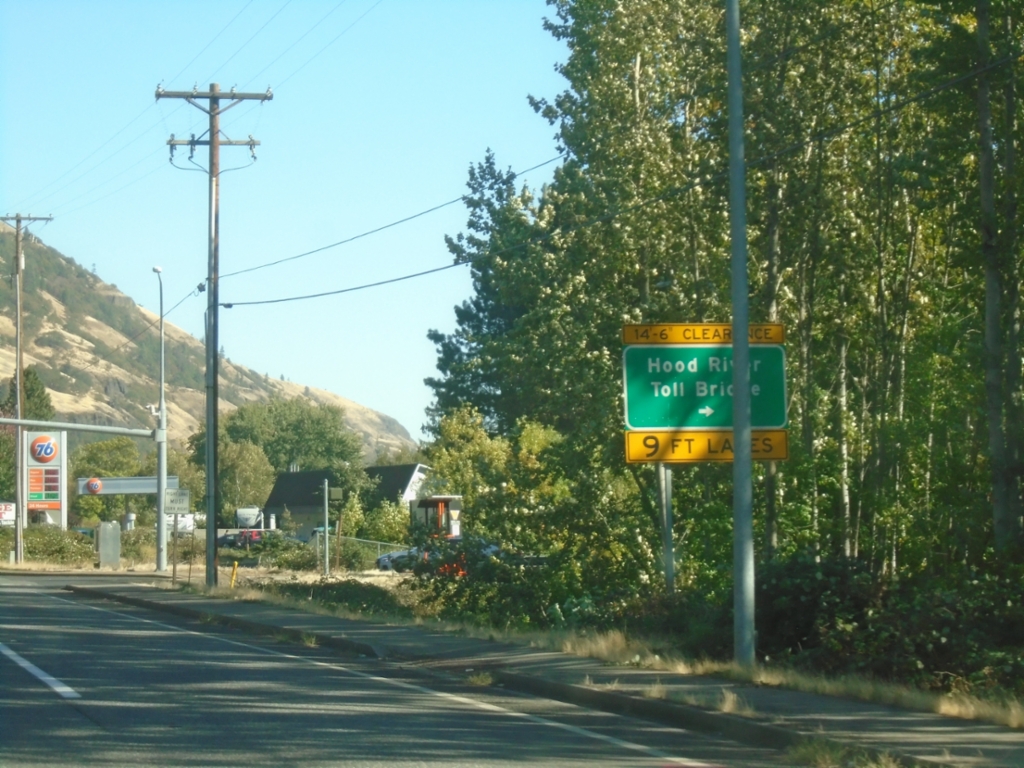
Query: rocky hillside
x,y
98,354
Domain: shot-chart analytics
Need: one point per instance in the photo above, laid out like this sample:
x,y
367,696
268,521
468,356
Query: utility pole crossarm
x,y
19,217
206,143
231,95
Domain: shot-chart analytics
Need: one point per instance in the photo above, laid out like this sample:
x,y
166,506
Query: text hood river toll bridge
x,y
678,392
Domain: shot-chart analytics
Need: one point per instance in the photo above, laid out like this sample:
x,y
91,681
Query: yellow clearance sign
x,y
700,333
684,446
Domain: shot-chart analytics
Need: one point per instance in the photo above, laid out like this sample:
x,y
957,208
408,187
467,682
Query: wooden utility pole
x,y
214,108
20,503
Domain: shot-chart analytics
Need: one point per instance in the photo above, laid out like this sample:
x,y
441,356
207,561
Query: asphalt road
x,y
92,683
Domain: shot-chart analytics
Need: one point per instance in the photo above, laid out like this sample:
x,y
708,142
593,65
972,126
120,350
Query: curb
x,y
693,718
668,713
684,716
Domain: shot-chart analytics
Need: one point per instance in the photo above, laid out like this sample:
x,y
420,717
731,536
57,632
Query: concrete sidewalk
x,y
777,718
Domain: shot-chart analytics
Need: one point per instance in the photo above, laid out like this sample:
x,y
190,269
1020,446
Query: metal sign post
x,y
327,537
665,494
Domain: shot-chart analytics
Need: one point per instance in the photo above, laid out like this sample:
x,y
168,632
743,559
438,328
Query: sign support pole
x,y
743,516
665,497
327,537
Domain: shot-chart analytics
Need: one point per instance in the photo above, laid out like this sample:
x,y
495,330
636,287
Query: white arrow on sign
x,y
707,410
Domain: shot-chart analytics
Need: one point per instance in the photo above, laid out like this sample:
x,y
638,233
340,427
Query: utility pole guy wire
x,y
214,141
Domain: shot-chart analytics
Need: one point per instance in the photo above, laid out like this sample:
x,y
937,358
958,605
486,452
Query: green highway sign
x,y
690,387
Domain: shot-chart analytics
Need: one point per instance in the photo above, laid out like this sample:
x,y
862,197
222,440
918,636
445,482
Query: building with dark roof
x,y
398,481
300,492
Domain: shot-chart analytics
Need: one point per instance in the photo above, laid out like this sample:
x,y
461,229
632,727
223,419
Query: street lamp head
x,y
158,270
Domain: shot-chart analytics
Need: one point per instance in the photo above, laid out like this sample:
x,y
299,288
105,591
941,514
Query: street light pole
x,y
742,472
161,448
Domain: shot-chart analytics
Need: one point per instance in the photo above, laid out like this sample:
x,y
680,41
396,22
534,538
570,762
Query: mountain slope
x,y
99,355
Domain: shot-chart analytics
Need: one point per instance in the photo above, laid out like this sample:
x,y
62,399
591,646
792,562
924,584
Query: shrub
x,y
960,633
49,544
466,582
283,552
387,522
139,545
366,599
810,608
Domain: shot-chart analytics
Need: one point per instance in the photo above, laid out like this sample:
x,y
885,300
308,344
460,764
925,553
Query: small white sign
x,y
176,501
7,516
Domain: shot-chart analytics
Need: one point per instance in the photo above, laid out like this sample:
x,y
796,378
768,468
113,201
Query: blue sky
x,y
379,109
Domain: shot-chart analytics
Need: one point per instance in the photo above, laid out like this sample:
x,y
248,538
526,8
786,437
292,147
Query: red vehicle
x,y
248,536
242,540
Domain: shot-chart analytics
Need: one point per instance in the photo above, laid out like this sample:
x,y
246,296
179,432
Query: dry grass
x,y
733,703
1009,712
615,647
826,754
723,701
655,691
481,679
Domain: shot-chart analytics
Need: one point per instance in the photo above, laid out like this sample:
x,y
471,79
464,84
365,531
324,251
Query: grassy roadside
x,y
387,597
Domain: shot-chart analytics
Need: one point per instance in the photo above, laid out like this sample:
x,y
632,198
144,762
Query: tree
x,y
884,234
117,457
405,455
37,403
190,477
246,477
285,432
312,435
388,521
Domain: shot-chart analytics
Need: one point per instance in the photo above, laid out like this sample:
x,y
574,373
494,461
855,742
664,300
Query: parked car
x,y
451,556
249,536
318,531
241,539
399,560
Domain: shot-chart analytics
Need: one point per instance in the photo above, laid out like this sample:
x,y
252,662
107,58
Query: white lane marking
x,y
628,745
64,690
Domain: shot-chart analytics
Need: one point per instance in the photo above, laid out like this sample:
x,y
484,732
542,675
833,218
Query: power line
x,y
297,41
244,112
70,170
332,42
114,191
128,125
378,229
251,38
229,305
35,195
212,41
671,192
190,294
